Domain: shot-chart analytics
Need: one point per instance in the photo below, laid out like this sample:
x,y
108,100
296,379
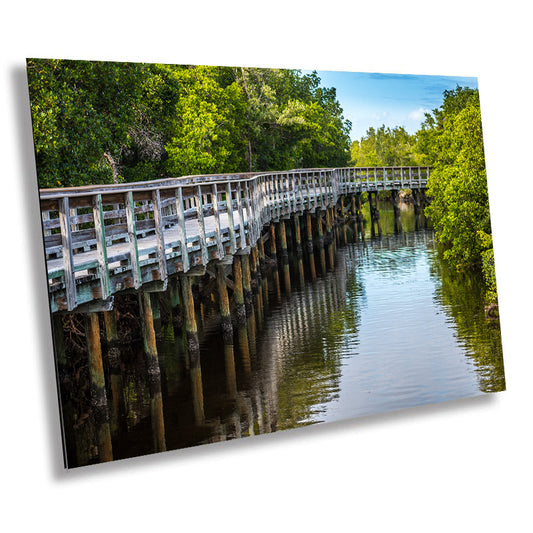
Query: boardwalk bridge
x,y
100,240
155,238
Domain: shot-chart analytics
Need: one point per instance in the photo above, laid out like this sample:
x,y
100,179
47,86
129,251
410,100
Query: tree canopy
x,y
384,147
99,122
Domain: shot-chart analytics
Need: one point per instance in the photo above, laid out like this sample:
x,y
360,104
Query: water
x,y
389,328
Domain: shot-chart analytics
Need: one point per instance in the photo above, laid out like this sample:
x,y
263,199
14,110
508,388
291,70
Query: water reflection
x,y
385,326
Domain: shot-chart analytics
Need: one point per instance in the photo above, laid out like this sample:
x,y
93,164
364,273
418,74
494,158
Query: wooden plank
x,y
101,247
231,223
68,258
159,235
201,224
214,202
132,239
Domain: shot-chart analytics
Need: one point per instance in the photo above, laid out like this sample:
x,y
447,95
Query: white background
x,y
461,466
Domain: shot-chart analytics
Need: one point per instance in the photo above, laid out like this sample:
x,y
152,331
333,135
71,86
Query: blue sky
x,y
372,99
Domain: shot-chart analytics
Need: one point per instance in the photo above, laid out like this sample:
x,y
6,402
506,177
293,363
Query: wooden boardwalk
x,y
101,240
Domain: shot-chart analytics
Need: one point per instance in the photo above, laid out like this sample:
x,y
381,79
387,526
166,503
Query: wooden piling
x,y
246,283
98,395
273,252
309,228
154,372
231,376
118,407
238,293
283,239
193,349
321,243
297,236
227,327
312,266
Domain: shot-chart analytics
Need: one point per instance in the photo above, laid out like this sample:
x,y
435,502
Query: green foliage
x,y
81,110
458,182
99,122
384,147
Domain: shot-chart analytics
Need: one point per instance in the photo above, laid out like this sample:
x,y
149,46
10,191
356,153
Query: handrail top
x,y
185,181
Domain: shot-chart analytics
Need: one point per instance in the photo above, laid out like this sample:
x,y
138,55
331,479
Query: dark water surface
x,y
388,328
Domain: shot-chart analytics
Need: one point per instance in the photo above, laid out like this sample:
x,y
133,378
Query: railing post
x,y
242,233
129,205
201,224
182,233
101,248
214,203
159,235
68,257
231,223
249,214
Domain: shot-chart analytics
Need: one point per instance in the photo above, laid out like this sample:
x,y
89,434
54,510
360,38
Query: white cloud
x,y
418,114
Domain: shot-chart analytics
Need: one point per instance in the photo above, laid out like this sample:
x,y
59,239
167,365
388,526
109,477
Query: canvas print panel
x,y
237,251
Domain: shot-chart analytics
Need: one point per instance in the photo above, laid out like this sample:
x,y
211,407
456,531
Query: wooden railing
x,y
103,239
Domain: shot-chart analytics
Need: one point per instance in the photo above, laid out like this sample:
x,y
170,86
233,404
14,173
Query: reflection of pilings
x,y
154,372
259,411
118,407
312,267
65,387
231,377
321,242
98,396
227,328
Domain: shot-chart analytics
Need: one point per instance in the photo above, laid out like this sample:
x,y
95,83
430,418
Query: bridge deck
x,y
104,239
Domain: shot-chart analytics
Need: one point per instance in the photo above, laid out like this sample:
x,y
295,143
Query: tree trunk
x,y
113,165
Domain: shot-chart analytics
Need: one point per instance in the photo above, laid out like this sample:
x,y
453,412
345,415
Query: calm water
x,y
388,328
